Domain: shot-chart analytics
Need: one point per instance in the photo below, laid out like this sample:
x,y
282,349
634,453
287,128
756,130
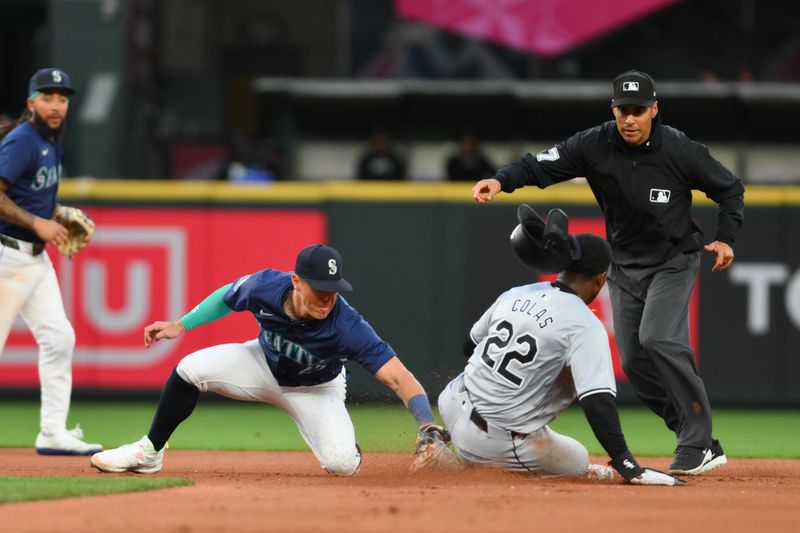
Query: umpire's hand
x,y
724,255
162,330
485,190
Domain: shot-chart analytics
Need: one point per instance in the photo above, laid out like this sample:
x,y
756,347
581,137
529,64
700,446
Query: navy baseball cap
x,y
634,87
50,79
321,267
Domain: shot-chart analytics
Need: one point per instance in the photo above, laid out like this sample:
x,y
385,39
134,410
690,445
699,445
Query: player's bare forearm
x,y
11,212
397,377
47,230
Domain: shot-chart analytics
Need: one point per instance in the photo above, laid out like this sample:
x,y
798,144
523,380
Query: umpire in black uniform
x,y
642,174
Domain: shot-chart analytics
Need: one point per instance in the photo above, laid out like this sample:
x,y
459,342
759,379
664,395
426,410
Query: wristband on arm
x,y
420,408
625,463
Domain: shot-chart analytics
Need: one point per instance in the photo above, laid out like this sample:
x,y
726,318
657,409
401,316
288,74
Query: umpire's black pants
x,y
651,325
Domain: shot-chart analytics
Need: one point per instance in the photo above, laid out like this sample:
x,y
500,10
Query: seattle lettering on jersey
x,y
293,351
45,178
311,352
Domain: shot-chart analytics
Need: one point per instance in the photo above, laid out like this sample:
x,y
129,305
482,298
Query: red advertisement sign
x,y
156,264
602,304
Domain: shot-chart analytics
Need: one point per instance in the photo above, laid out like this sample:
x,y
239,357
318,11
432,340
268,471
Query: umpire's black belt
x,y
480,422
34,248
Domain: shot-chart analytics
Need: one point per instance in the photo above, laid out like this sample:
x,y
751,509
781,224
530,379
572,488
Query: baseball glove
x,y
432,450
79,229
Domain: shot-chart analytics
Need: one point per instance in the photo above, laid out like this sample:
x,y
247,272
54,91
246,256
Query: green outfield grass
x,y
228,425
24,488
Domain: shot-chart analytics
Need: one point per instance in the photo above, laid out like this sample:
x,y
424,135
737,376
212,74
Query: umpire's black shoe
x,y
717,458
689,461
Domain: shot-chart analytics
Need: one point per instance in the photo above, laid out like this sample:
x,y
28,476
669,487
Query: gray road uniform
x,y
538,347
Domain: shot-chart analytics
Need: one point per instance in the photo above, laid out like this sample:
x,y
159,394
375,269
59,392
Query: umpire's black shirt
x,y
645,191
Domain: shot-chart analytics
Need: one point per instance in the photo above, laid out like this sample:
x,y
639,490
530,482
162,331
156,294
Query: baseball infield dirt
x,y
288,492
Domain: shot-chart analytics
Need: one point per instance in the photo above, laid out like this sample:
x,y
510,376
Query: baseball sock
x,y
178,400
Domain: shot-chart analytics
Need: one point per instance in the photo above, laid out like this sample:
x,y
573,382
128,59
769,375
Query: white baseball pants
x,y
240,371
28,287
541,452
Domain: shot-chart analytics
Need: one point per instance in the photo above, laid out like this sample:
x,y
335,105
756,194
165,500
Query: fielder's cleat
x,y
76,432
717,458
65,443
689,461
140,457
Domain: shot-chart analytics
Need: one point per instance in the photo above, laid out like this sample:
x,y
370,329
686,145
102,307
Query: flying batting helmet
x,y
546,247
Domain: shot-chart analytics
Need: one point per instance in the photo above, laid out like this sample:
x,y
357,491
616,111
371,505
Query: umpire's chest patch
x,y
659,196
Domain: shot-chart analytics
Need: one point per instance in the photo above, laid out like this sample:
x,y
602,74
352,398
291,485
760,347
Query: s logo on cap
x,y
57,76
630,86
332,268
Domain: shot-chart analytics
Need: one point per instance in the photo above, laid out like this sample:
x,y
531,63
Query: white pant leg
x,y
28,286
19,274
322,418
237,371
543,451
549,452
44,314
240,371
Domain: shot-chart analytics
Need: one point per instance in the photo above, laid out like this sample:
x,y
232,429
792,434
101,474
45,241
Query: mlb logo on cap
x,y
634,88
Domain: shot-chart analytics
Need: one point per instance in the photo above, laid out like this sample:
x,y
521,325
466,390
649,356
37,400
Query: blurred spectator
x,y
709,76
5,120
469,163
253,160
239,172
381,161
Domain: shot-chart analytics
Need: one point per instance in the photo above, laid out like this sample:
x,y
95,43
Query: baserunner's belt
x,y
480,422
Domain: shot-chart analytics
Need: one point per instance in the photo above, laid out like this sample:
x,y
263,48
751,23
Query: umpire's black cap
x,y
50,79
321,267
634,87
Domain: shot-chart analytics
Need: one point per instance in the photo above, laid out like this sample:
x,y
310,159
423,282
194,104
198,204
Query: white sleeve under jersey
x,y
537,349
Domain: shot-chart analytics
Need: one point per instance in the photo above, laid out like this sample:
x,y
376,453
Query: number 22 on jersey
x,y
521,348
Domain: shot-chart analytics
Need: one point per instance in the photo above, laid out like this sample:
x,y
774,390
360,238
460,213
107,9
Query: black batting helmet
x,y
546,247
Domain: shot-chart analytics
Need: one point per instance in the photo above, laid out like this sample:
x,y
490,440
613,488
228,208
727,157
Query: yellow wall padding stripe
x,y
78,189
